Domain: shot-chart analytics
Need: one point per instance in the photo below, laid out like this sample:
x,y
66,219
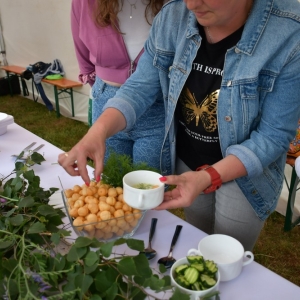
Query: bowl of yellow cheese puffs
x,y
99,211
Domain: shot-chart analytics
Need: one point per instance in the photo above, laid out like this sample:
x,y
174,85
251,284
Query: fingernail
x,y
98,178
87,184
164,178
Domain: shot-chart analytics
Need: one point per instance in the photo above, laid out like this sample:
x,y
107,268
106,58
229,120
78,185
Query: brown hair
x,y
105,11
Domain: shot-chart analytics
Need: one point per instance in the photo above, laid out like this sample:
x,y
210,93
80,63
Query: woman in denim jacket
x,y
256,108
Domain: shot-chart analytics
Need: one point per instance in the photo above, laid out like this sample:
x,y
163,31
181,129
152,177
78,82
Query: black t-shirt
x,y
197,135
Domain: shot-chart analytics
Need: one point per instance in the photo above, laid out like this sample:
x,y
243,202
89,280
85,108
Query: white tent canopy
x,y
40,30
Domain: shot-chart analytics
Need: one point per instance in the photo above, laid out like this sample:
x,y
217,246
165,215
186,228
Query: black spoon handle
x,y
152,228
175,237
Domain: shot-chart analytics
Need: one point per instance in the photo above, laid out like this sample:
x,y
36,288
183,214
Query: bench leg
x,y
72,101
9,83
289,223
56,102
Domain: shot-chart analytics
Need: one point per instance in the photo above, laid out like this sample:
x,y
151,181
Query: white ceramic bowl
x,y
194,295
3,126
143,198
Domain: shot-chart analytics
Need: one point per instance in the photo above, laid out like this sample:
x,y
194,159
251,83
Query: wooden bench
x,y
62,85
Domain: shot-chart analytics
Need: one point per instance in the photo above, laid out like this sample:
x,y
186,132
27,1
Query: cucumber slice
x,y
207,281
180,269
197,286
191,275
195,259
211,267
182,281
199,267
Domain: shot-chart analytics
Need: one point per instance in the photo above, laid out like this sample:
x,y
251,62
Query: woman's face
x,y
218,12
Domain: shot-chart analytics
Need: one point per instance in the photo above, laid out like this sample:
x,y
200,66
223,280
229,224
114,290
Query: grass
x,y
277,250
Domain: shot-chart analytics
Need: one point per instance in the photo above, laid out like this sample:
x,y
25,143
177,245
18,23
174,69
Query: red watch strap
x,y
216,181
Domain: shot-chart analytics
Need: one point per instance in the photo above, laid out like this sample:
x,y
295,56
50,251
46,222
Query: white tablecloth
x,y
255,282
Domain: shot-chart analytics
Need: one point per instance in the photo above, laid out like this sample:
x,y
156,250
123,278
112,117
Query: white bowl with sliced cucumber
x,y
197,277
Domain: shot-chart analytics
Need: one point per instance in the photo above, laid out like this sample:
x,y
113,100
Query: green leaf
x,y
140,281
135,244
83,282
137,294
90,269
91,259
37,227
155,283
127,266
112,292
46,210
18,186
13,288
16,220
37,158
82,242
142,265
15,181
95,243
120,241
75,253
167,280
53,222
6,244
162,268
9,264
7,192
19,166
95,297
26,202
106,249
55,238
64,232
178,295
29,175
9,213
102,282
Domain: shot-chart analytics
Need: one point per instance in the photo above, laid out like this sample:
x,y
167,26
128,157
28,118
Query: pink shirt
x,y
99,50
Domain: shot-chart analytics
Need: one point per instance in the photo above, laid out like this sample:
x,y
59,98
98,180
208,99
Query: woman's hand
x,y
92,145
188,186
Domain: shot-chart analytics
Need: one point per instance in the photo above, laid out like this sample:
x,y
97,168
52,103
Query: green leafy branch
x,y
31,266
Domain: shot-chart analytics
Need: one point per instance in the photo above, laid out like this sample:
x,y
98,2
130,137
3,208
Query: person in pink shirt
x,y
109,37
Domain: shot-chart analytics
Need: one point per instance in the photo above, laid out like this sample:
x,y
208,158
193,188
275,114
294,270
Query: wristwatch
x,y
216,181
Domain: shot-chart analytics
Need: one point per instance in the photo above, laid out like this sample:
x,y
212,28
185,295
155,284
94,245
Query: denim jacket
x,y
259,101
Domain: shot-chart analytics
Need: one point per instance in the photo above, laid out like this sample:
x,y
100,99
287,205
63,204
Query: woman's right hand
x,y
92,145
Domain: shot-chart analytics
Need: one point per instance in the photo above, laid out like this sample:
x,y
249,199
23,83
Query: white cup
x,y
227,252
140,198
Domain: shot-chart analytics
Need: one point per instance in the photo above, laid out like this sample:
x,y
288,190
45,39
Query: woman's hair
x,y
105,11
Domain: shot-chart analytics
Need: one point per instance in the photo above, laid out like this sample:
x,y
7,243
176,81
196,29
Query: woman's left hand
x,y
188,186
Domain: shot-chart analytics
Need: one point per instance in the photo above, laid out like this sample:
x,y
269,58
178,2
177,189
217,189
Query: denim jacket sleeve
x,y
266,92
275,124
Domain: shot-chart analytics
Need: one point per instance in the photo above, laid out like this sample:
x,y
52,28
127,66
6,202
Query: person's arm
x,y
190,184
82,52
92,145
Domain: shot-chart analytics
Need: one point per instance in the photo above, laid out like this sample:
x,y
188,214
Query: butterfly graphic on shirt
x,y
205,111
